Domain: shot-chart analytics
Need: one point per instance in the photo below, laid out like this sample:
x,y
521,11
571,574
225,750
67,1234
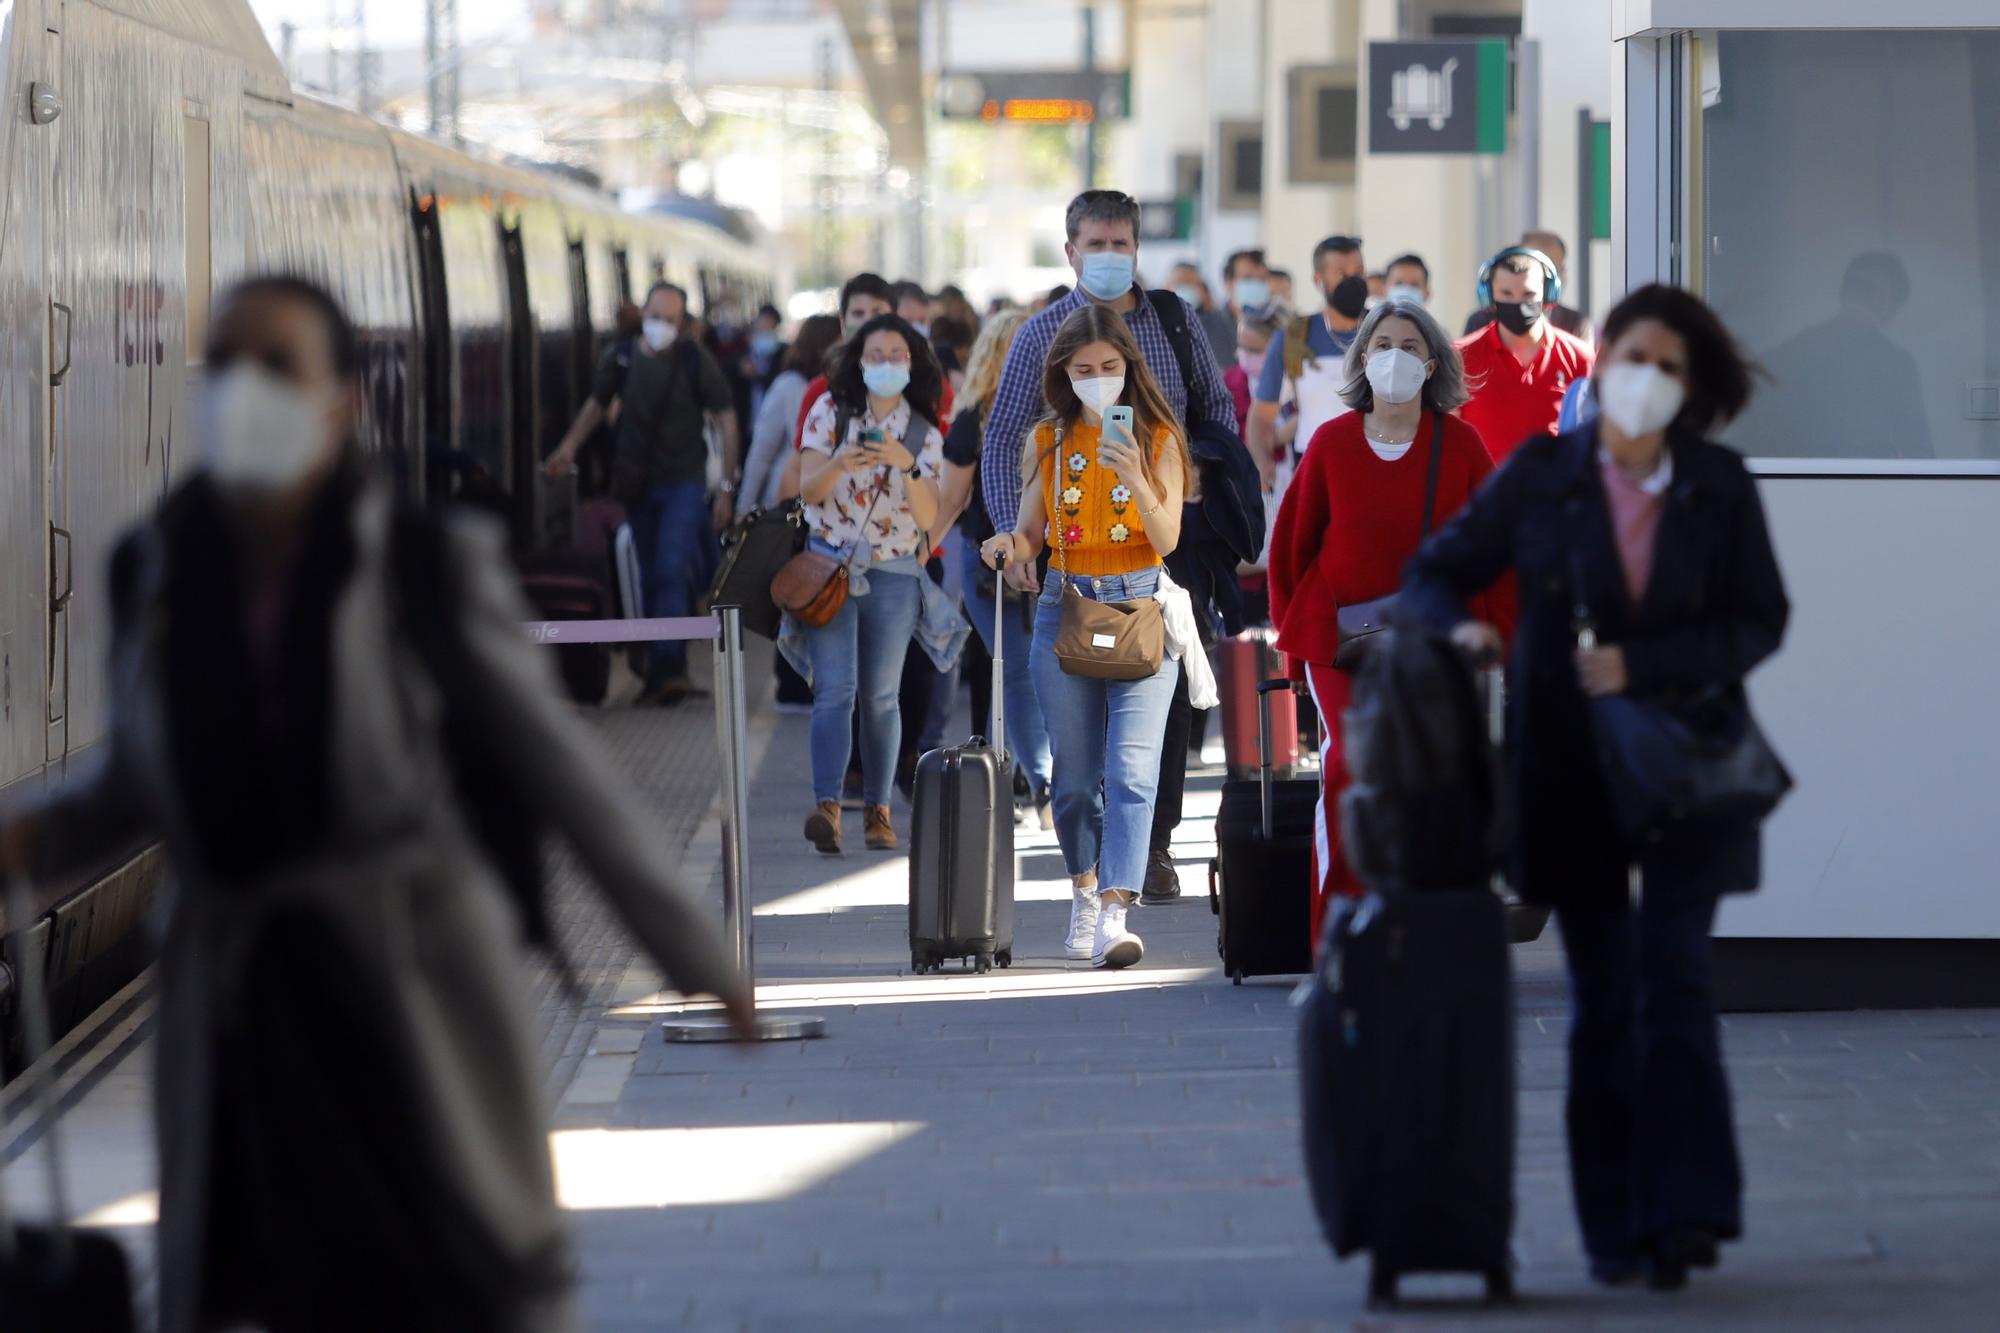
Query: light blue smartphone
x,y
1119,415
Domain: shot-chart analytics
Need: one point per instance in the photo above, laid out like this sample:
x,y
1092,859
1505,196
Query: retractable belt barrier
x,y
725,628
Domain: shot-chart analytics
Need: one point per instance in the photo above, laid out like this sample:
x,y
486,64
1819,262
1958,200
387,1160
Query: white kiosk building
x,y
1827,174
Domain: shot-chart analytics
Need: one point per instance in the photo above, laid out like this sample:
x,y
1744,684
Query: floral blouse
x,y
893,532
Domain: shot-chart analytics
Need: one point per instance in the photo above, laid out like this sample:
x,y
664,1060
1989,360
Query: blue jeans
x,y
1105,736
1652,1138
859,653
668,528
1027,737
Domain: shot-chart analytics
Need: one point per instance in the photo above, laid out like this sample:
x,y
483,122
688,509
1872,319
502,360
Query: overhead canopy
x,y
884,34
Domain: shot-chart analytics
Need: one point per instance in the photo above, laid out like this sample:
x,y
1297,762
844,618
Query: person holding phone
x,y
1112,508
869,477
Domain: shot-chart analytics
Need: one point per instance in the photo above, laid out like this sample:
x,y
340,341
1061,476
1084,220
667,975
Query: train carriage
x,y
153,153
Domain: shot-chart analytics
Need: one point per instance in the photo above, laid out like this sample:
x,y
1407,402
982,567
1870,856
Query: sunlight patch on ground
x,y
136,1210
666,1168
663,1168
936,990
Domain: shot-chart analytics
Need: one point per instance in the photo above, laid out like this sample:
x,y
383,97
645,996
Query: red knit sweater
x,y
1350,521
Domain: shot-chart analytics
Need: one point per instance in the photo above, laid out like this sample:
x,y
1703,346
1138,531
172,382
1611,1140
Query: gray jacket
x,y
349,1100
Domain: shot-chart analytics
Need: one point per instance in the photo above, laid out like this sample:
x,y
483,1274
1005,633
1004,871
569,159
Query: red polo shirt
x,y
1512,402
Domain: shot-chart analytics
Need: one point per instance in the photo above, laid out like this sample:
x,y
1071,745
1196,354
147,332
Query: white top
x,y
1385,451
893,532
1663,475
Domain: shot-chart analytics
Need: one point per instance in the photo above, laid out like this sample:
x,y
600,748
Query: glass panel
x,y
1851,201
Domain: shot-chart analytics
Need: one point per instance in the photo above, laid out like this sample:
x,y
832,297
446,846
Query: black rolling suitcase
x,y
1406,1080
962,844
1260,882
1406,1032
54,1278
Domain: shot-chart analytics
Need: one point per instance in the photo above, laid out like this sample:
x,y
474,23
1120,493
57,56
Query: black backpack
x,y
510,830
1423,808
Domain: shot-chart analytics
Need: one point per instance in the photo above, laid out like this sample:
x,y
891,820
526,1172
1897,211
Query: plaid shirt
x,y
1017,404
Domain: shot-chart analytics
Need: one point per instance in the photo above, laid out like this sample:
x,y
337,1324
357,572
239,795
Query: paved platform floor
x,y
1051,1148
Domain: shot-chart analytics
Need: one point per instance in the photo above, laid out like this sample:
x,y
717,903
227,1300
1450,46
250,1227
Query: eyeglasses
x,y
881,359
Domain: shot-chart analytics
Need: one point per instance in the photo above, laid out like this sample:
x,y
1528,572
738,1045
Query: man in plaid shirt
x,y
1103,230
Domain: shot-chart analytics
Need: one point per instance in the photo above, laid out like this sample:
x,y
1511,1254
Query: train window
x,y
436,327
621,263
196,178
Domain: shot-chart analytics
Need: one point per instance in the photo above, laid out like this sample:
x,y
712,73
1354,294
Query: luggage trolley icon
x,y
1421,93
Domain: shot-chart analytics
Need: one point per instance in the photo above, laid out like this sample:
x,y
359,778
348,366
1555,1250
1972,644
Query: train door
x,y
45,108
523,456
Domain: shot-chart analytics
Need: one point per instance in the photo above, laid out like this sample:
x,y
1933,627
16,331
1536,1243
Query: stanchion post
x,y
732,744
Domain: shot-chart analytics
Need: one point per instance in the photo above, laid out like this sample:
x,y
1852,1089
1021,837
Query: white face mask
x,y
258,433
659,334
1395,375
1637,399
1099,393
1403,291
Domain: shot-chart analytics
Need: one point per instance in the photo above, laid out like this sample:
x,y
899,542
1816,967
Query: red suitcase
x,y
1243,661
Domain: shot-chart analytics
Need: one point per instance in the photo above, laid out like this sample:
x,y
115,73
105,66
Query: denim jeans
x,y
859,653
1105,737
1652,1138
668,528
1027,737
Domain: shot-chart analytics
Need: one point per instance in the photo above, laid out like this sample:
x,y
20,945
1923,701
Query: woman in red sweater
x,y
1354,515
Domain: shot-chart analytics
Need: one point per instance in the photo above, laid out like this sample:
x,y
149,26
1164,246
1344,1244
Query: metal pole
x,y
333,48
733,744
1090,126
1586,208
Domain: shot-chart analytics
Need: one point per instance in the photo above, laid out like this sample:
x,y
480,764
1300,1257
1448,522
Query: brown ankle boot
x,y
823,827
877,831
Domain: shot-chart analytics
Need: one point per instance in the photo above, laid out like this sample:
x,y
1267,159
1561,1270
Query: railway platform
x,y
1050,1148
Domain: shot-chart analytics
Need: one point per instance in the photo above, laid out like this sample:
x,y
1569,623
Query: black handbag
x,y
1672,763
1354,626
755,548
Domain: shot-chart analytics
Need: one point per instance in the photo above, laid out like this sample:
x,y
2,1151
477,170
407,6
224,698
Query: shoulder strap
x,y
1298,346
1173,318
1431,478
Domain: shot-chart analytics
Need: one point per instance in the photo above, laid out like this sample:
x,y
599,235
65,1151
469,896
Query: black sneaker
x,y
1163,880
1045,808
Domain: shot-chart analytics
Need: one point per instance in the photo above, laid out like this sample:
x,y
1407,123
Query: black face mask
x,y
1349,297
1517,317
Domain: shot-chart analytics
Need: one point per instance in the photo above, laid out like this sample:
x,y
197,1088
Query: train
x,y
154,152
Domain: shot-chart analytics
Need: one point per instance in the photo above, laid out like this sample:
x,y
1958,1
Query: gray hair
x,y
1444,391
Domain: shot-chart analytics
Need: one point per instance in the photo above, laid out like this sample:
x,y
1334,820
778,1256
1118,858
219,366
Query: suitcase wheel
x,y
1499,1286
1236,977
1381,1286
1005,958
983,963
1214,896
920,965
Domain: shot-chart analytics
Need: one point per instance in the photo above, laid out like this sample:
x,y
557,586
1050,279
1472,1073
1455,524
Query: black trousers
x,y
1173,768
1652,1136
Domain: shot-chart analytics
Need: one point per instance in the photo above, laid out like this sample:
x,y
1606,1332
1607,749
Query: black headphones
x,y
1552,287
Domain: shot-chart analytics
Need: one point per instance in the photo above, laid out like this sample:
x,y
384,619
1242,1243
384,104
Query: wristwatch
x,y
728,486
915,470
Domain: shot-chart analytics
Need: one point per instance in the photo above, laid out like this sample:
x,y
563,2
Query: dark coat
x,y
349,1099
1715,608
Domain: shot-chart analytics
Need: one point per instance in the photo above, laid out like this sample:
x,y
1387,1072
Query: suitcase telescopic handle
x,y
998,738
1265,689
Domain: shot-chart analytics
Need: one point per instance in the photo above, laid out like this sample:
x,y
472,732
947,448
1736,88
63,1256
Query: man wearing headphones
x,y
1520,365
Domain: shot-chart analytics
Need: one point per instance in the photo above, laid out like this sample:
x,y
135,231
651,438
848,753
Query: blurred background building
x,y
940,139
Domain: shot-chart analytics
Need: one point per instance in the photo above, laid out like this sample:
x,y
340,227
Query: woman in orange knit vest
x,y
1112,510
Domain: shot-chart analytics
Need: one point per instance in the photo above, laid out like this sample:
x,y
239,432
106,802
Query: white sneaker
x,y
1083,913
1116,946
